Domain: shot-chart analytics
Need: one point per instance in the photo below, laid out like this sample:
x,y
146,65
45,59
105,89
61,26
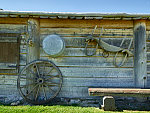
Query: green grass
x,y
56,109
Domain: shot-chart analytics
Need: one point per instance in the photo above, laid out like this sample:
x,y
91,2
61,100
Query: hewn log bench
x,y
108,100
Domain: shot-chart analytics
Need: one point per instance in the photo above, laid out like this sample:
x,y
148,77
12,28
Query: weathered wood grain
x,y
83,82
77,72
104,32
140,58
132,92
69,23
10,28
8,71
78,52
34,44
88,61
8,65
8,90
13,20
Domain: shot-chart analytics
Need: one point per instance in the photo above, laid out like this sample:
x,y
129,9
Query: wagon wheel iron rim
x,y
39,82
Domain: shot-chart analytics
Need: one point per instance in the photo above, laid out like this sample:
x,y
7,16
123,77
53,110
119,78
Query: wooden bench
x,y
108,93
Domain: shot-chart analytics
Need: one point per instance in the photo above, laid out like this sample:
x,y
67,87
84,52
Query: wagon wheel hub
x,y
39,82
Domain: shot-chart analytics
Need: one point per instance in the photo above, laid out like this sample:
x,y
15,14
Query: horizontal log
x,y
104,32
119,92
73,91
10,28
77,72
69,23
8,38
9,90
13,20
84,82
100,62
89,61
9,35
8,65
8,71
78,52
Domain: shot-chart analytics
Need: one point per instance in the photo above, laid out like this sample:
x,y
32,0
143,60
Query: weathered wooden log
x,y
33,40
119,92
140,57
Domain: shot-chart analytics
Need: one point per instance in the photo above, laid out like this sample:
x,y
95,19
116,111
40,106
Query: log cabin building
x,y
46,55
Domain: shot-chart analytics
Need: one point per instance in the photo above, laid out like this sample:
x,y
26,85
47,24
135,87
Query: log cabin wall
x,y
79,71
11,30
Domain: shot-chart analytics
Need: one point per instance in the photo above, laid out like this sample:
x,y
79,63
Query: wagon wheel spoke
x,y
37,93
51,77
44,69
31,90
37,70
51,89
44,92
52,84
31,71
50,70
40,77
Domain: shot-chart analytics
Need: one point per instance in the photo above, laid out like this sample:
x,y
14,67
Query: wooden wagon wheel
x,y
39,82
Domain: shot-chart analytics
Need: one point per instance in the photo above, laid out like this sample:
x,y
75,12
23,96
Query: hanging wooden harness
x,y
108,48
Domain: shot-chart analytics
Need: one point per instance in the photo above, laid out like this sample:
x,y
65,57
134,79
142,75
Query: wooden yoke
x,y
140,57
33,40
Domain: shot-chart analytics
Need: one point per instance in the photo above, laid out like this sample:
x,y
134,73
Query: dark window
x,y
9,52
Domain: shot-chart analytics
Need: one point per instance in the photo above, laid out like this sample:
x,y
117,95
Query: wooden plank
x,y
8,65
8,38
8,90
74,92
88,61
119,92
13,20
78,72
140,58
8,71
99,82
69,23
10,28
108,32
83,82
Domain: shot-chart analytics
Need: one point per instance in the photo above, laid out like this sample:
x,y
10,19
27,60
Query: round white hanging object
x,y
53,45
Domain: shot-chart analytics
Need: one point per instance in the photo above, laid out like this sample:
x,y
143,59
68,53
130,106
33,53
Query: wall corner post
x,y
140,57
